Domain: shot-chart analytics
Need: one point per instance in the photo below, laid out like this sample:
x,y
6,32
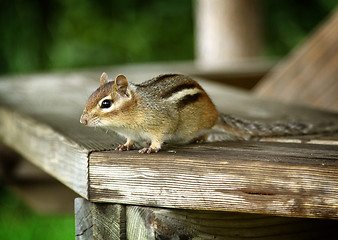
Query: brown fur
x,y
152,110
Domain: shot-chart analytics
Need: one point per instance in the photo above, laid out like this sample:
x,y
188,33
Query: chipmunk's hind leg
x,y
201,139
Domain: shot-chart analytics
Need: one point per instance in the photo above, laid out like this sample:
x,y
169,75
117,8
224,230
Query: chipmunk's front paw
x,y
124,147
149,150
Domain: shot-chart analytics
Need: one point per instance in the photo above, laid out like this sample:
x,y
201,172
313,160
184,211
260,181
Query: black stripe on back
x,y
188,99
158,79
178,89
162,77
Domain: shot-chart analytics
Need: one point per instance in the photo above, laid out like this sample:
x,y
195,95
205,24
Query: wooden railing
x,y
274,188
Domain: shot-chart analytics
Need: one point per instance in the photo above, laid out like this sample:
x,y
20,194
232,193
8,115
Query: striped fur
x,y
178,88
174,108
167,108
174,88
158,79
188,99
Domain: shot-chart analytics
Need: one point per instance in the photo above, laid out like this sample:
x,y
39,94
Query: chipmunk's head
x,y
108,102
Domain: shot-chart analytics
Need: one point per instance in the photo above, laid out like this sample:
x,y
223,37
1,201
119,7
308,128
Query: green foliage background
x,y
41,35
59,34
18,222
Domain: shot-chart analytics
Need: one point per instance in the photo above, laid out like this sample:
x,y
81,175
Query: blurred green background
x,y
19,222
65,34
43,35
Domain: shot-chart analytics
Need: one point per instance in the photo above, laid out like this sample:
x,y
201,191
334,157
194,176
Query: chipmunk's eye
x,y
106,103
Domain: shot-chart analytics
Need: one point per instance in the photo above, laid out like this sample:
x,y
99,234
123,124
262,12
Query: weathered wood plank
x,y
62,158
39,118
57,101
270,178
322,139
309,76
156,223
83,219
113,221
99,221
109,221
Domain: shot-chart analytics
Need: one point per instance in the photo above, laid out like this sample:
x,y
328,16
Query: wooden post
x,y
227,31
99,220
83,219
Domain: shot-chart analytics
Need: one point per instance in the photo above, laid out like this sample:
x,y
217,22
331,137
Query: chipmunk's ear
x,y
103,78
121,85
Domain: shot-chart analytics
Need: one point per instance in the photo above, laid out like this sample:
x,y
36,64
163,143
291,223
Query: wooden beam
x,y
39,118
136,222
156,223
99,221
83,219
46,148
269,178
309,75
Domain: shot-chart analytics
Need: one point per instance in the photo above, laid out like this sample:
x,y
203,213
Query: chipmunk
x,y
169,108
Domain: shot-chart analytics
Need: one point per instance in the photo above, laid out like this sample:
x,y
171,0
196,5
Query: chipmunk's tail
x,y
229,127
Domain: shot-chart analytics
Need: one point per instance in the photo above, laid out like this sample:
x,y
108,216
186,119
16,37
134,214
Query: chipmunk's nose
x,y
83,120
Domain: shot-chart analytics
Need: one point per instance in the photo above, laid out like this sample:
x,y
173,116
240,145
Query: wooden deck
x,y
274,188
291,177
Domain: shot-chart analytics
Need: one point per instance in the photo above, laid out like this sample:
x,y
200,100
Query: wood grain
x,y
113,221
298,177
62,158
57,100
39,118
83,219
270,178
99,221
156,223
309,75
